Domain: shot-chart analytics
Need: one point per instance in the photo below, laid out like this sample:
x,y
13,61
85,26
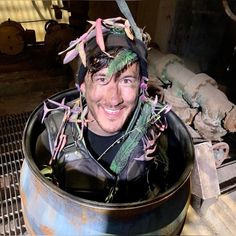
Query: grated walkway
x,y
11,158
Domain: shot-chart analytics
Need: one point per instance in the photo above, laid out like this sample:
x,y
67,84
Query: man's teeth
x,y
111,111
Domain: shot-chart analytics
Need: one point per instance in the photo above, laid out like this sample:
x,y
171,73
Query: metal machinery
x,y
14,38
207,113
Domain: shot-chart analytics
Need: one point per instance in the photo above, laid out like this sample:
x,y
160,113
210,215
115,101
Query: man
x,y
104,145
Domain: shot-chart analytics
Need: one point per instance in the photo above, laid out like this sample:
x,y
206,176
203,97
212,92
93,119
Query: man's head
x,y
113,65
111,96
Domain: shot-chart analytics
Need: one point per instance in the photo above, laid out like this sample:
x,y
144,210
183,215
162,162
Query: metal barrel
x,y
48,210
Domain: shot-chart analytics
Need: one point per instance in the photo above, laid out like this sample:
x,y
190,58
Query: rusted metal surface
x,y
204,179
212,114
12,38
221,152
230,120
11,158
49,210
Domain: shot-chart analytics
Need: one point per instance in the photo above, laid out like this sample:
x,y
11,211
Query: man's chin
x,y
111,129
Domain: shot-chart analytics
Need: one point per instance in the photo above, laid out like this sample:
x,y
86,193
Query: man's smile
x,y
110,104
112,111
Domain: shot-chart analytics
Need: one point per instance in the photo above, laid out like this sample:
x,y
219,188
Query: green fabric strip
x,y
120,61
122,156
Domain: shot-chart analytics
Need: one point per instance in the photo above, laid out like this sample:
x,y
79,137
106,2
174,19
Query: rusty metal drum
x,y
48,210
12,40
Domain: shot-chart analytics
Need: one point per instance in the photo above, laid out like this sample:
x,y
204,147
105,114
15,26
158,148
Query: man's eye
x,y
100,80
128,81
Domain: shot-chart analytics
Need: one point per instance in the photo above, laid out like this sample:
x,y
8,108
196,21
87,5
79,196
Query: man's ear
x,y
82,88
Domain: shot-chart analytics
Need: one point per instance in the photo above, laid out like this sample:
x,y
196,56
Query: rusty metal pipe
x,y
198,91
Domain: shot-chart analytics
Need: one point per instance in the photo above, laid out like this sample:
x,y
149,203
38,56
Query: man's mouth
x,y
112,111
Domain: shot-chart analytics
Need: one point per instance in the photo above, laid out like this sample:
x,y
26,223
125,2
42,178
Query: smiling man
x,y
104,145
111,100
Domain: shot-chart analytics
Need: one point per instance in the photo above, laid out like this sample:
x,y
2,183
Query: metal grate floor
x,y
11,158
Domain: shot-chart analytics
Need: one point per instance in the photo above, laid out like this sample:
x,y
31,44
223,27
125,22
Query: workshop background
x,y
32,33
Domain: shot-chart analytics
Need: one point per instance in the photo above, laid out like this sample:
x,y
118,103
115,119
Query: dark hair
x,y
102,60
96,59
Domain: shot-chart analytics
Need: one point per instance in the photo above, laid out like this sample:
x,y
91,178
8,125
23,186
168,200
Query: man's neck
x,y
98,144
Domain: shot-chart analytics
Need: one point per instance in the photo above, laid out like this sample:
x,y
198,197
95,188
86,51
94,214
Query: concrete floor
x,y
23,103
29,78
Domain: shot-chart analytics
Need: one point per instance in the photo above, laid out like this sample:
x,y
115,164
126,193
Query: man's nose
x,y
114,93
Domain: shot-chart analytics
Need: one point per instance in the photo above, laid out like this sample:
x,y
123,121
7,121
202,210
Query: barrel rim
x,y
111,206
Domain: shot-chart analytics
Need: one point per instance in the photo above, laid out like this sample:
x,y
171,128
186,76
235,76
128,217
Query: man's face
x,y
111,100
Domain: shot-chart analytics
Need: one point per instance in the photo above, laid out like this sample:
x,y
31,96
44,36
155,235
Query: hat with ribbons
x,y
103,36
